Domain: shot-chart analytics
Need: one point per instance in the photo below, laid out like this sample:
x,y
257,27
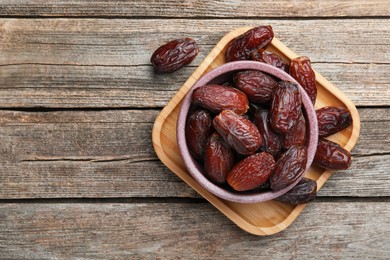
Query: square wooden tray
x,y
263,218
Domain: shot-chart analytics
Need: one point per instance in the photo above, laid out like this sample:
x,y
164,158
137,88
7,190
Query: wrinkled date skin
x,y
296,135
228,84
198,129
242,46
251,172
286,106
330,155
216,98
218,159
289,167
258,86
303,192
174,55
332,119
240,133
270,58
272,141
300,69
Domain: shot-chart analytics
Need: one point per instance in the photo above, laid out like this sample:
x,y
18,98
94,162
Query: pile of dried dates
x,y
249,133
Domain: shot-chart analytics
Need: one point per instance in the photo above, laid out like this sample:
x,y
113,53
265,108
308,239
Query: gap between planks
x,y
301,18
144,200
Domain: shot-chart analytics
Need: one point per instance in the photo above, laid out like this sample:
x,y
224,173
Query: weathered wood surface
x,y
104,153
203,8
333,230
77,58
105,63
129,42
36,85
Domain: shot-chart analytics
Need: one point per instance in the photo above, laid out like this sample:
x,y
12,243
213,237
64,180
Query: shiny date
x,y
174,55
332,119
258,86
289,167
240,133
216,98
242,46
198,129
330,155
270,58
286,106
300,69
272,141
218,159
296,135
303,192
251,172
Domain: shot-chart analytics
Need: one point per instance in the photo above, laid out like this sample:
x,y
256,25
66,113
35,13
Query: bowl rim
x,y
190,162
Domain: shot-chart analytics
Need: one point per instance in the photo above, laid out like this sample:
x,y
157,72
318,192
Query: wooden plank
x,y
130,42
339,230
94,154
40,85
367,177
203,8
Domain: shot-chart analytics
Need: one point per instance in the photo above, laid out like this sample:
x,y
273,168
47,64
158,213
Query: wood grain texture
x,y
105,63
367,177
129,42
45,85
339,230
94,154
203,8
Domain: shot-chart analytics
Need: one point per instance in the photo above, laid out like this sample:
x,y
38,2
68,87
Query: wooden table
x,y
78,173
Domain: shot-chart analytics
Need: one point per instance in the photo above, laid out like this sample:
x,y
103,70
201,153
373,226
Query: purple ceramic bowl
x,y
218,76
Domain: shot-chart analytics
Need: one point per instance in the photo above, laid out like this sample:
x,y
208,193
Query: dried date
x,y
258,86
303,192
296,135
332,119
270,58
251,172
272,141
174,55
216,98
289,167
218,159
198,129
300,69
330,155
240,133
242,46
286,106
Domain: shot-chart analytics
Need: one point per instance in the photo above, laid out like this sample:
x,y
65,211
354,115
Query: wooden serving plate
x,y
263,218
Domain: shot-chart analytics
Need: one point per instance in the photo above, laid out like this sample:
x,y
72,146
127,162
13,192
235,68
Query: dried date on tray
x,y
216,98
198,129
330,155
257,85
286,106
242,46
303,192
218,159
300,69
240,133
289,167
332,119
270,58
251,172
174,55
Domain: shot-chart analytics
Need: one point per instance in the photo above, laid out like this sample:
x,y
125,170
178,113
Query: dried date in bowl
x,y
219,76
